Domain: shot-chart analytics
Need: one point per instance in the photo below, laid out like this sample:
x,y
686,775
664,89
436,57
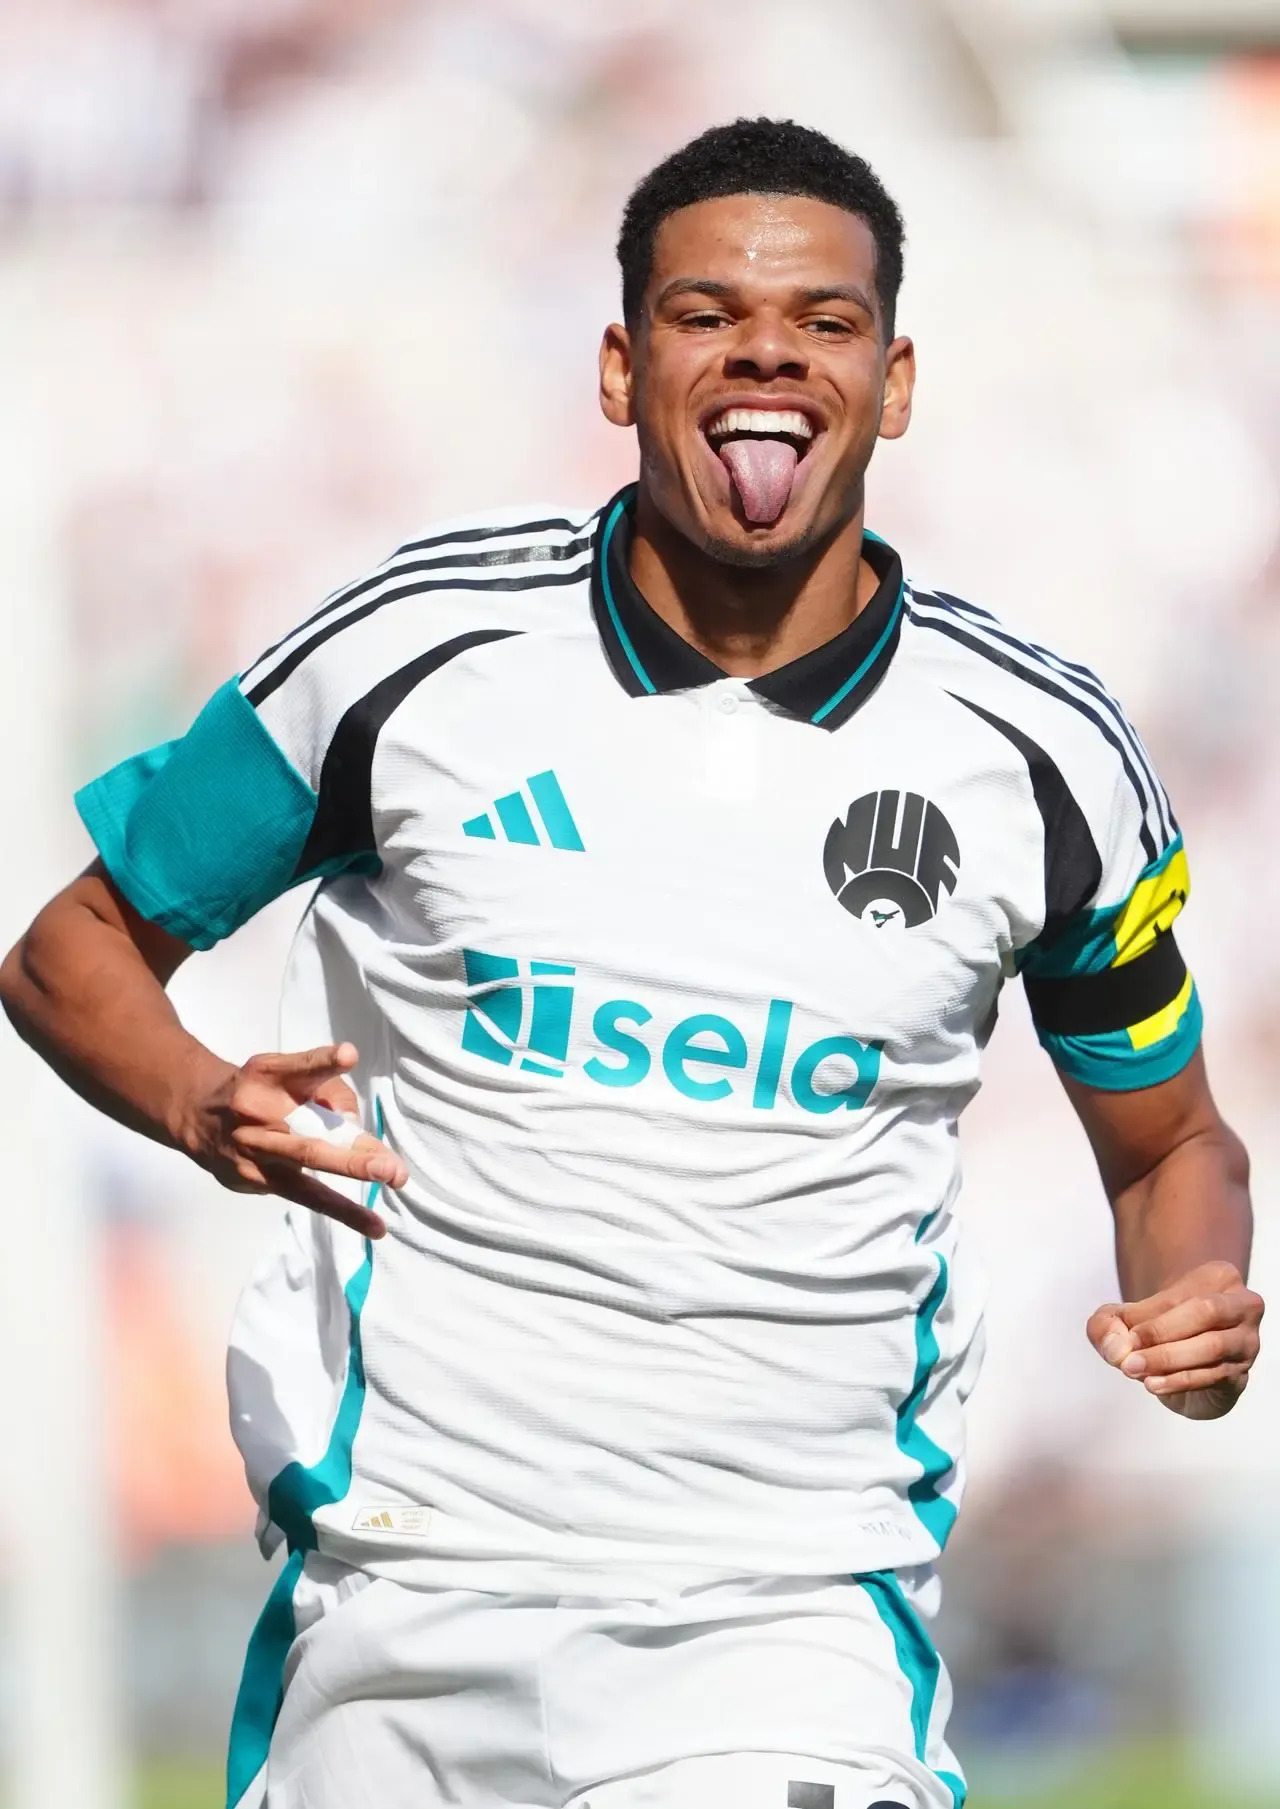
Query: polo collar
x,y
824,686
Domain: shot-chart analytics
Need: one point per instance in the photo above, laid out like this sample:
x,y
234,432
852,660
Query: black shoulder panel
x,y
343,825
1072,864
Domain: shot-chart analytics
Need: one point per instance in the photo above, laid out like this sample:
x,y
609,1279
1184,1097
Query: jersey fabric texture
x,y
669,987
820,1692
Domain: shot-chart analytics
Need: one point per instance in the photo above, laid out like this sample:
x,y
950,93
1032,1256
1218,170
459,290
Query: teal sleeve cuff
x,y
201,833
1124,1061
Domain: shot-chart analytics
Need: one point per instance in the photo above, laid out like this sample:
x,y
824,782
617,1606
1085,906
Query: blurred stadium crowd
x,y
282,280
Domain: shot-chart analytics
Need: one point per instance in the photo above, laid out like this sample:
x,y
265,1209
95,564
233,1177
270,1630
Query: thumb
x,y
1109,1335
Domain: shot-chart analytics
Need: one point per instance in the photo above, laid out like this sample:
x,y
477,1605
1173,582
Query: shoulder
x,y
447,591
1054,709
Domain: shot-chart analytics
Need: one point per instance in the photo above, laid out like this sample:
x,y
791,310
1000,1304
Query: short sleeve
x,y
1110,995
202,832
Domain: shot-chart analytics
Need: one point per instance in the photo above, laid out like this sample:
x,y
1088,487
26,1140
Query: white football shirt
x,y
670,988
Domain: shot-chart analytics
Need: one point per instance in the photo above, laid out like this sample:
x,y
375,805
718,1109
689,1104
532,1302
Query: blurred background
x,y
283,280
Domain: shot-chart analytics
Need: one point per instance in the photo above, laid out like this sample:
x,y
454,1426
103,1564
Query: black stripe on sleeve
x,y
460,535
1074,673
1041,682
502,555
1115,999
1072,864
343,823
294,658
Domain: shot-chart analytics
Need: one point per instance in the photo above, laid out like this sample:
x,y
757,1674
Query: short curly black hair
x,y
759,157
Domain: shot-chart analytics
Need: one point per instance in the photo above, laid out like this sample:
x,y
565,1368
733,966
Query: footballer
x,y
603,1389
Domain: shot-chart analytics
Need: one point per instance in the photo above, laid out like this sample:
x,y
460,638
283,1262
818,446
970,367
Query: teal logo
x,y
524,1015
519,822
495,1022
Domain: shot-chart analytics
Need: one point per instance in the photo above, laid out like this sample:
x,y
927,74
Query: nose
x,y
766,346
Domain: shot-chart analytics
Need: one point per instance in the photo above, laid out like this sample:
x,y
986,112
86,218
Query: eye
x,y
830,326
704,319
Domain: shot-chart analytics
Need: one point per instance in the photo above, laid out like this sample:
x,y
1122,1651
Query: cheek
x,y
862,396
664,398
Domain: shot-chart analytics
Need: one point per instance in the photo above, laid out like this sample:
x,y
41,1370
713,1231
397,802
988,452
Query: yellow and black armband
x,y
1110,996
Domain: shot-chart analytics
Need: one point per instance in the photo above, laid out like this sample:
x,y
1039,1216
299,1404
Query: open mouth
x,y
762,450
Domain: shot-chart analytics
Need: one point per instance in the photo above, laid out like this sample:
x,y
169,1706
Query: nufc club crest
x,y
891,858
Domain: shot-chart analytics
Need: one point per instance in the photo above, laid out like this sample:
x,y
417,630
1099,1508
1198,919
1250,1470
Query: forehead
x,y
766,238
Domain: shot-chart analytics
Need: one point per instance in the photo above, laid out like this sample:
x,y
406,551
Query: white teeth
x,y
761,420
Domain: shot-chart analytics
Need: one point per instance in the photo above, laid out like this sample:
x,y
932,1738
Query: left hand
x,y
1193,1344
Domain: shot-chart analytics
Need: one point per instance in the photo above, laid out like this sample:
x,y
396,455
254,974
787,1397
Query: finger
x,y
307,1068
1207,1313
1196,1284
245,1176
364,1160
1109,1335
339,1096
291,1184
1239,1345
1195,1381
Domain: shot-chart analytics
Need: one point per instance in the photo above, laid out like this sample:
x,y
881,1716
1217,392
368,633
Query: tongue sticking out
x,y
763,471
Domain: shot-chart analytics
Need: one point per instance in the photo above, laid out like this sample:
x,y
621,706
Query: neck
x,y
750,620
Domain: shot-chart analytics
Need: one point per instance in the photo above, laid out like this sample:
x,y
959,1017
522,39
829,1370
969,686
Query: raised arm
x,y
1178,1180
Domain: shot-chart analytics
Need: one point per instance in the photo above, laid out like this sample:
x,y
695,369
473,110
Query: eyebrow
x,y
705,285
839,292
695,285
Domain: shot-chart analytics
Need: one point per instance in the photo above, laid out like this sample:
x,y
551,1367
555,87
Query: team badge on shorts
x,y
890,859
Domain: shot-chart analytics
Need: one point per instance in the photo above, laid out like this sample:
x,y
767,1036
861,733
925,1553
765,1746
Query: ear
x,y
617,377
899,385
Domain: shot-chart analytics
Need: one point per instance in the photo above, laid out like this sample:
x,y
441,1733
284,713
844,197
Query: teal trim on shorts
x,y
919,1663
261,1689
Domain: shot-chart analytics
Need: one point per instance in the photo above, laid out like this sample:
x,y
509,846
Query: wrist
x,y
198,1086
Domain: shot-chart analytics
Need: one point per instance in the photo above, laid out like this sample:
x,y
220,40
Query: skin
x,y
755,299
752,300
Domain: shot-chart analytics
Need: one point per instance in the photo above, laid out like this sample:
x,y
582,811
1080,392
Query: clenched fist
x,y
1193,1344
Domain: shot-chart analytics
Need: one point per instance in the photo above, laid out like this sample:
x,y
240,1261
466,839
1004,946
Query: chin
x,y
751,550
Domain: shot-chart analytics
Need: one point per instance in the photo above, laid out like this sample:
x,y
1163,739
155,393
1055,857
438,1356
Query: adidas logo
x,y
516,819
392,1520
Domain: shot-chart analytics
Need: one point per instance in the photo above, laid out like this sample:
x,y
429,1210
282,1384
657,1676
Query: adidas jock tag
x,y
668,986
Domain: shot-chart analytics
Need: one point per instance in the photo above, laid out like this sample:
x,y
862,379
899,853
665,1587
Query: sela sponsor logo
x,y
523,1015
890,859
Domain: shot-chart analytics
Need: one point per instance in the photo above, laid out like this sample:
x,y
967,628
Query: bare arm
x,y
1178,1180
85,987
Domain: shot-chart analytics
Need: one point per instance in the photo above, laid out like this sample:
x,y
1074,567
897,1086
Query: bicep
x,y
90,906
1131,1133
98,893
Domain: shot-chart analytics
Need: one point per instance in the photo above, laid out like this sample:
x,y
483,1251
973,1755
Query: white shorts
x,y
804,1693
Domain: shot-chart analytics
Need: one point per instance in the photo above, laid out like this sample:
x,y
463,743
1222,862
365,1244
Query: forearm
x,y
78,989
1191,1208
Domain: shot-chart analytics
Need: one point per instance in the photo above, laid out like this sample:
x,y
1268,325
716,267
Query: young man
x,y
672,857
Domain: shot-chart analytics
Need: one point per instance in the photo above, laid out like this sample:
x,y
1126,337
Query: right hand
x,y
240,1135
